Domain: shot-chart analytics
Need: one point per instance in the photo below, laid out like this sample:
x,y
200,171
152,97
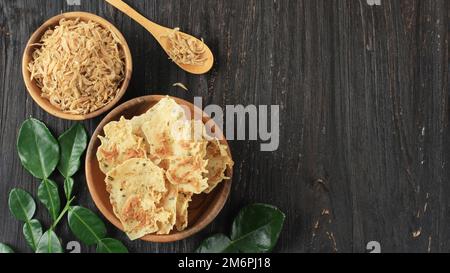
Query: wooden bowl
x,y
35,91
202,209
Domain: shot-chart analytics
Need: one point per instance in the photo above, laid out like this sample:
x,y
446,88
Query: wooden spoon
x,y
159,32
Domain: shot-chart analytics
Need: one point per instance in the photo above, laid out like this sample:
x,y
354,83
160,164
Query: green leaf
x,y
256,228
68,186
38,149
109,245
4,248
49,243
86,225
49,196
72,144
21,204
32,231
218,243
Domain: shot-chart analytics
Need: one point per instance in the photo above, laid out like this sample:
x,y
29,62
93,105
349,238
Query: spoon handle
x,y
153,28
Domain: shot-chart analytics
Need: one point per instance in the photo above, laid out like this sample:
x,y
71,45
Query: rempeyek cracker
x,y
118,145
169,204
135,188
187,172
155,163
182,210
219,160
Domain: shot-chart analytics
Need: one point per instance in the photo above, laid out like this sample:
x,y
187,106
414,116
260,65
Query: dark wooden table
x,y
363,94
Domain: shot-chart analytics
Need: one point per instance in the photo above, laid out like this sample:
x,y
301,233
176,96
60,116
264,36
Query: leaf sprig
x,y
255,230
23,207
40,154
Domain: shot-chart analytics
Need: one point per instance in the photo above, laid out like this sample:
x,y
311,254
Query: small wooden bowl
x,y
35,91
202,209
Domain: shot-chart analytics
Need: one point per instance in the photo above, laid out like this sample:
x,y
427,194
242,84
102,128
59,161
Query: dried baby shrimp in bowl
x,y
77,65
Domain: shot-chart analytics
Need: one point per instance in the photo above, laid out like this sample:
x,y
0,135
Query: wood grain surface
x,y
364,113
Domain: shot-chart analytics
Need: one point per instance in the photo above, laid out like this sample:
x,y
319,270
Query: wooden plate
x,y
35,91
203,207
